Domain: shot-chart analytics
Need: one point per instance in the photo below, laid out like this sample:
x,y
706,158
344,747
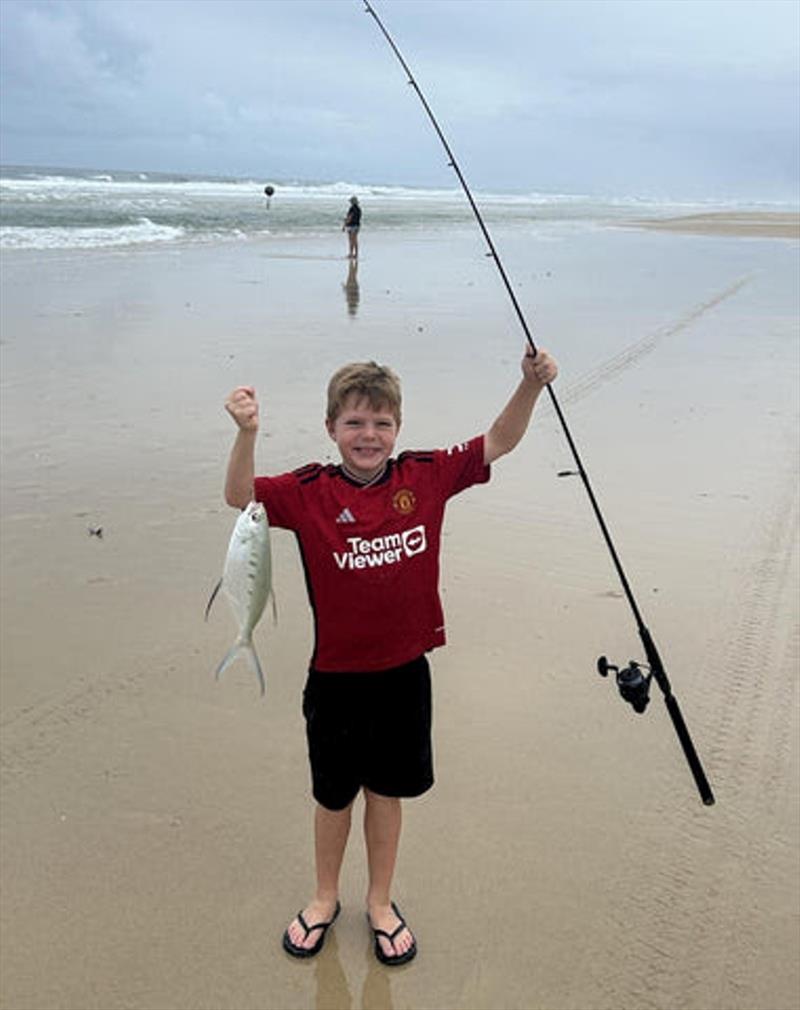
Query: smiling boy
x,y
369,534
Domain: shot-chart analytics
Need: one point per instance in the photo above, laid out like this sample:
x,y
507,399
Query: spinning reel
x,y
634,686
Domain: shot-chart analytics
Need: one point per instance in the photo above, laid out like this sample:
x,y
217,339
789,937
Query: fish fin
x,y
234,651
213,597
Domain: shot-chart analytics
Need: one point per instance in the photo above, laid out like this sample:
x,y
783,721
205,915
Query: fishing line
x,y
633,685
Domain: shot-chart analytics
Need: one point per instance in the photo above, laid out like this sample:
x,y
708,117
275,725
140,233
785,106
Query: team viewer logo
x,y
414,541
405,501
381,551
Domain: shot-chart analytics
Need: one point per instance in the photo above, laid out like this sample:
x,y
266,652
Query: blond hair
x,y
366,380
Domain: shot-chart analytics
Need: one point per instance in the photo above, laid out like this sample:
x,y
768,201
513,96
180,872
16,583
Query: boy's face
x,y
365,437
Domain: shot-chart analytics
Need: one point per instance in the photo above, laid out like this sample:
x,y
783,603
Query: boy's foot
x,y
306,933
394,941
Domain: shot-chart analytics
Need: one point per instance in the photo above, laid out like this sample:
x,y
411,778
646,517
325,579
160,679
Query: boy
x,y
368,531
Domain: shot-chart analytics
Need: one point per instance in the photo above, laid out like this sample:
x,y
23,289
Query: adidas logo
x,y
345,516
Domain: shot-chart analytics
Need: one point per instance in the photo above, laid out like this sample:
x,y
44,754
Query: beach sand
x,y
156,825
755,225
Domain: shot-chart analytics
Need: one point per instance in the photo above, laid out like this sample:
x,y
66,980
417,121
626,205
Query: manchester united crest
x,y
404,501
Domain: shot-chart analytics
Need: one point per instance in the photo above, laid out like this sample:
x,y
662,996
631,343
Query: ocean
x,y
67,208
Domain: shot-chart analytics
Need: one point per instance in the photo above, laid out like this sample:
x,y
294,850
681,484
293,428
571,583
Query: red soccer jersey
x,y
371,554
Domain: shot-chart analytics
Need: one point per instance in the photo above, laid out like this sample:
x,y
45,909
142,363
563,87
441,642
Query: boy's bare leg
x,y
331,829
382,822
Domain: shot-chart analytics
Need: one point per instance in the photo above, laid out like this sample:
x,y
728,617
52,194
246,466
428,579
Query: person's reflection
x,y
350,287
333,992
377,992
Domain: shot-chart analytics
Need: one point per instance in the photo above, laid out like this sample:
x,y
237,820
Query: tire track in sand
x,y
35,733
629,356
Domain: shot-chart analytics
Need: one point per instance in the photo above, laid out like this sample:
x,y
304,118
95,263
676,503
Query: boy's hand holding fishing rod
x,y
540,367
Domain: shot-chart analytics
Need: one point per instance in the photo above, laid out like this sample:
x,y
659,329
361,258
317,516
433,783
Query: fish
x,y
247,583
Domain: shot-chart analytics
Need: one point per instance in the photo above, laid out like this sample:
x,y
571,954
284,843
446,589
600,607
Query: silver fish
x,y
247,582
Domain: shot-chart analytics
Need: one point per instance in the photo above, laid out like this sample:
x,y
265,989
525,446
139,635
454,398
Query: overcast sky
x,y
650,97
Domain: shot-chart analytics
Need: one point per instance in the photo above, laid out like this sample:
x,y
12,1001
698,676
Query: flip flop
x,y
393,959
294,950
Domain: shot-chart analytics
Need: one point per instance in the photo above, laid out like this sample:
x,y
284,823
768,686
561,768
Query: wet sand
x,y
749,224
156,824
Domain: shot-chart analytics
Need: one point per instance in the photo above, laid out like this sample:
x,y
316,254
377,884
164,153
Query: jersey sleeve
x,y
461,466
281,498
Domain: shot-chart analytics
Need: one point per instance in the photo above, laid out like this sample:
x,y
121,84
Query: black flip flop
x,y
294,950
393,959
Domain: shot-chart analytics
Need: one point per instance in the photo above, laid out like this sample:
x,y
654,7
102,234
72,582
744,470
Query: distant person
x,y
369,530
268,191
352,223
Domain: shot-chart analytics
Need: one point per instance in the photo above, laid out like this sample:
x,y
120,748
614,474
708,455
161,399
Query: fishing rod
x,y
633,684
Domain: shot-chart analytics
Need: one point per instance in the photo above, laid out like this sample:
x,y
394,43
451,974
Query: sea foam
x,y
143,232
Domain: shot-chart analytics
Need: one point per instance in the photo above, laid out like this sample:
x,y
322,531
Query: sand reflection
x,y
377,991
333,992
350,288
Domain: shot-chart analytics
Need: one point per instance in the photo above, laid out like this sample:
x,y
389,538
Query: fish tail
x,y
252,655
247,648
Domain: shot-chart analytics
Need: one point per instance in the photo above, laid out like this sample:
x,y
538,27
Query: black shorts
x,y
369,729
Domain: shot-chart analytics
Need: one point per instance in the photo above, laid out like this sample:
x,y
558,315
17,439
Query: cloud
x,y
543,94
